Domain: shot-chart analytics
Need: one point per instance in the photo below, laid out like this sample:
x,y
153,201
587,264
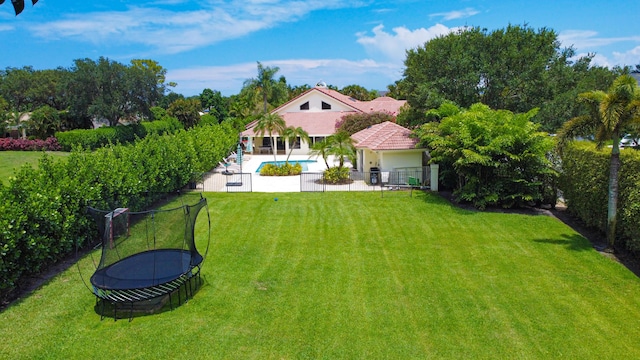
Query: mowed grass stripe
x,y
354,275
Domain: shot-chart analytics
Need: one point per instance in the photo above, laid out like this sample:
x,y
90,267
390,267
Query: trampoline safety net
x,y
146,254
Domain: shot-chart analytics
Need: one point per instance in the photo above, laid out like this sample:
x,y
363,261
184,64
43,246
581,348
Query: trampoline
x,y
147,254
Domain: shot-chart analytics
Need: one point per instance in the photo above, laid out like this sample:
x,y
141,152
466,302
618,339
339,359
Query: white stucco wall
x,y
391,159
315,100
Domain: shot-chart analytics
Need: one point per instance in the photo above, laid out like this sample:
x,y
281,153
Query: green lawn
x,y
10,161
357,276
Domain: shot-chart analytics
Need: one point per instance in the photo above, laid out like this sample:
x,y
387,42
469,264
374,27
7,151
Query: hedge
x,y
123,134
43,210
585,182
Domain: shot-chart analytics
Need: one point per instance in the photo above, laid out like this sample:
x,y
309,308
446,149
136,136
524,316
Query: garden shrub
x,y
585,181
43,211
337,175
286,169
49,144
491,157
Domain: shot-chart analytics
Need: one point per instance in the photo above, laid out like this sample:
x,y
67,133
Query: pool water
x,y
304,164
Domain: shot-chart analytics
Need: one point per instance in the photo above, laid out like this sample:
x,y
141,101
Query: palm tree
x,y
270,124
292,133
321,148
341,145
609,115
264,83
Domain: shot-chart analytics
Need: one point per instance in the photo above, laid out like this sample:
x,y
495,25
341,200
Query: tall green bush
x,y
494,157
96,138
584,183
43,210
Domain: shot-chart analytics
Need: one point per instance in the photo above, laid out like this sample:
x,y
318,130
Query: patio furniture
x,y
414,182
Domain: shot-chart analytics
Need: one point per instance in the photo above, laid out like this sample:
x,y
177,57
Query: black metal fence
x,y
401,179
227,182
416,178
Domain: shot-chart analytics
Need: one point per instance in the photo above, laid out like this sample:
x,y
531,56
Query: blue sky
x,y
216,43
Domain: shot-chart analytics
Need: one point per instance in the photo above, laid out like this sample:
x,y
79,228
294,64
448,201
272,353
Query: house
x,y
389,150
388,147
316,111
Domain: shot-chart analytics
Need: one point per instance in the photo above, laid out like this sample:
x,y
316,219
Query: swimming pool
x,y
304,164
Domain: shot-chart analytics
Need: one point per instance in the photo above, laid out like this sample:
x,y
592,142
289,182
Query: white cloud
x,y
394,45
456,14
589,39
631,57
171,31
338,72
5,27
597,60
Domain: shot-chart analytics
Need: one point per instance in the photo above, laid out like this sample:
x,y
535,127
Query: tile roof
x,y
314,123
322,123
385,136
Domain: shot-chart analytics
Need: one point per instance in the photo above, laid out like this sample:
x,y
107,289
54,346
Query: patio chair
x,y
229,167
414,182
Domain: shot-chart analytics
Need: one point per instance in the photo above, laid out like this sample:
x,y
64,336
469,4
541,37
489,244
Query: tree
x,y
353,123
106,89
359,93
44,122
321,148
187,111
610,114
153,67
18,5
169,99
145,84
490,157
517,69
341,146
270,91
270,124
293,136
217,105
15,87
298,90
397,90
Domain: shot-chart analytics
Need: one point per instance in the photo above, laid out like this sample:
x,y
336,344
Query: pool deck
x,y
270,183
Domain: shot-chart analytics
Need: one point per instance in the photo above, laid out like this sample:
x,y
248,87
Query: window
x,y
326,106
304,106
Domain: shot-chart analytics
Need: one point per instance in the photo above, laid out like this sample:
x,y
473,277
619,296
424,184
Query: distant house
x,y
316,111
19,130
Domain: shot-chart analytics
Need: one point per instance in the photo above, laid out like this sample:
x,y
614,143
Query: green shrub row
x,y
43,211
585,182
97,138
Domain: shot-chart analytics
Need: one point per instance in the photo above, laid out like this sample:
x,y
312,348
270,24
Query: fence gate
x,y
231,182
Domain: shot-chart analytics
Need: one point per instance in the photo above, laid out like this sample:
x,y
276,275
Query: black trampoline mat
x,y
145,269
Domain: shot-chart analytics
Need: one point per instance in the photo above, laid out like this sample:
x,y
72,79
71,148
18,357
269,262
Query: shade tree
x,y
516,68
